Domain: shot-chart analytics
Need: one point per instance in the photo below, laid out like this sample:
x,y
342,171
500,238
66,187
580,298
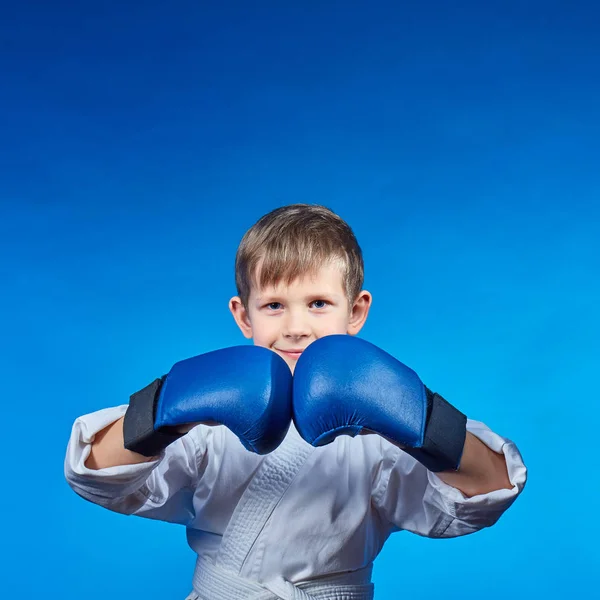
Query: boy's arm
x,y
412,498
481,470
108,450
137,459
156,488
343,384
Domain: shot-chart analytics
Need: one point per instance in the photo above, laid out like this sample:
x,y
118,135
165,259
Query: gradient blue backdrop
x,y
139,140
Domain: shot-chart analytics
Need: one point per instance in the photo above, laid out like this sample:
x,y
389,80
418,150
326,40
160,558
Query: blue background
x,y
138,142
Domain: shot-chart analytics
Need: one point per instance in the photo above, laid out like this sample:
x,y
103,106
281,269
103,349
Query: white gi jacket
x,y
298,523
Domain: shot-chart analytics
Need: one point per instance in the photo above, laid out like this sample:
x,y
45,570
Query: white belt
x,y
217,583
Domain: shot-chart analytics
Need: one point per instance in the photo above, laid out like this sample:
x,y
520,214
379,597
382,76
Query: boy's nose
x,y
295,326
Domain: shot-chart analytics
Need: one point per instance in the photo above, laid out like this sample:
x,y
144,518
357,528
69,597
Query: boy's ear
x,y
240,314
359,312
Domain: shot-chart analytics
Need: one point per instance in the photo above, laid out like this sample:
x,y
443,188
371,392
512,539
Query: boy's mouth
x,y
292,353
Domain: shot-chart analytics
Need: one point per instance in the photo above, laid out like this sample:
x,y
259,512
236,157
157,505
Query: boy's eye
x,y
274,305
320,303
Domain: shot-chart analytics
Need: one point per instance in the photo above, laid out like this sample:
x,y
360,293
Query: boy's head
x,y
299,275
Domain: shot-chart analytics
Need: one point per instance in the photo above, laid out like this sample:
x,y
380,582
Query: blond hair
x,y
294,241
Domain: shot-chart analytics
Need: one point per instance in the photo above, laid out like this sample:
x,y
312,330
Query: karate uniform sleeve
x,y
161,489
411,498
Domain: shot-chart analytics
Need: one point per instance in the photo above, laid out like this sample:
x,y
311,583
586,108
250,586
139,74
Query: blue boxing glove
x,y
246,388
343,385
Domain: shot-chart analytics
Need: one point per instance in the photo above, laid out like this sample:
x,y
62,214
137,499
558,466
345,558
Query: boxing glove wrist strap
x,y
138,426
444,439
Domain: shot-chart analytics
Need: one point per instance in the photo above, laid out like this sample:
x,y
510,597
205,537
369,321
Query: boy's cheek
x,y
264,335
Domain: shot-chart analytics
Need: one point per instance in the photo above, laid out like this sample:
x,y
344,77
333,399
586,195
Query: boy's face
x,y
286,319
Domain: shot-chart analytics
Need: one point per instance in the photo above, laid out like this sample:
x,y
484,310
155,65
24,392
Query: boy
x,y
278,504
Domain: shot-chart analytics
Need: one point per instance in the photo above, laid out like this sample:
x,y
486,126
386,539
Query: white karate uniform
x,y
298,523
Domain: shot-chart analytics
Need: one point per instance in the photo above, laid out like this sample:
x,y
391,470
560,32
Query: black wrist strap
x,y
445,433
138,426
